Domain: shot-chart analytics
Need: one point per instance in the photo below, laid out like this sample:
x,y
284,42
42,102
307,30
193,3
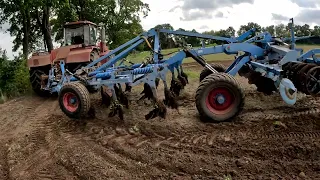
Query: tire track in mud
x,y
37,152
139,140
4,165
198,144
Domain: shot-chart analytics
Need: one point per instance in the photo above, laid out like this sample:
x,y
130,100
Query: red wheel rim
x,y
70,101
220,100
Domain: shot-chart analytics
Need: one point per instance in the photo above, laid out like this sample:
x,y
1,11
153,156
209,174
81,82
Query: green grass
x,y
192,74
141,56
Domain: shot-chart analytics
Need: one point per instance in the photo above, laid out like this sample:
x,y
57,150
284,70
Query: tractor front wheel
x,y
206,72
219,97
74,100
36,82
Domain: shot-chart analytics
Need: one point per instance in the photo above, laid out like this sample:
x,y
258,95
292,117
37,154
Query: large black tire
x,y
35,80
219,83
80,94
206,72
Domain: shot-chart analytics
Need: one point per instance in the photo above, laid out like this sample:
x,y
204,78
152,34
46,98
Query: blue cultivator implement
x,y
266,61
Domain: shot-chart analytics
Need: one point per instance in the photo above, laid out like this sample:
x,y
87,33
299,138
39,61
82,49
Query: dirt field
x,y
268,140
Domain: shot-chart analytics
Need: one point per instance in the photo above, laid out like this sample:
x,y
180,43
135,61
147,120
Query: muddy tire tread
x,y
83,95
221,77
206,72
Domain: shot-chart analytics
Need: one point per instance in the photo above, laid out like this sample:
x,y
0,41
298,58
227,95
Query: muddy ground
x,y
268,140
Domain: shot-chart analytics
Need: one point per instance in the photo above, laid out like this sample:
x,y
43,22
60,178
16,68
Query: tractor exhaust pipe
x,y
103,39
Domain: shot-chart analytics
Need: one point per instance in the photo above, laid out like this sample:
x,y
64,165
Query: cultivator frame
x,y
219,96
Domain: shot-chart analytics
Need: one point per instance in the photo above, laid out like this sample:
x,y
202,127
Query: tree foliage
x,y
120,17
14,76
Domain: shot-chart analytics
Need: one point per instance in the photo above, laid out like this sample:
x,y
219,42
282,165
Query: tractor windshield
x,y
93,35
74,35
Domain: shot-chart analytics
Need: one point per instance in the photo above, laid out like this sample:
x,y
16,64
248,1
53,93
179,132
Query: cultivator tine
x,y
122,97
159,110
181,78
147,92
157,82
106,98
170,99
183,74
116,108
176,85
128,88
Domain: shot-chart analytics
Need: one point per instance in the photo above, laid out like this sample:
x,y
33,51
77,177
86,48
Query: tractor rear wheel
x,y
206,72
219,97
74,100
35,80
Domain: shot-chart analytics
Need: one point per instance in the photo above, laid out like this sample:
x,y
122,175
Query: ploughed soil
x,y
268,140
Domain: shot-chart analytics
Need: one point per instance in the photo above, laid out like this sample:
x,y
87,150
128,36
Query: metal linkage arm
x,y
246,34
204,36
312,53
266,37
120,55
234,48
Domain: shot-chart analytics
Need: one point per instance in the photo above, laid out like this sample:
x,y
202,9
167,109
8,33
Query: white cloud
x,y
205,15
6,44
235,13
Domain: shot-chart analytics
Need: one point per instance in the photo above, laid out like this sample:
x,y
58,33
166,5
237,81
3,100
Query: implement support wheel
x,y
74,100
206,72
219,97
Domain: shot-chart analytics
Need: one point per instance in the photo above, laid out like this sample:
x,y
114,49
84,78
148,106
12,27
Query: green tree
x,y
315,31
269,29
29,23
247,27
165,39
121,17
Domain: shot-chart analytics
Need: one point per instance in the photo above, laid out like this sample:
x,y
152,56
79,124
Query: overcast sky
x,y
205,15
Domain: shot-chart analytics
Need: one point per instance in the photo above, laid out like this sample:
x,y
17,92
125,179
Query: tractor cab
x,y
80,32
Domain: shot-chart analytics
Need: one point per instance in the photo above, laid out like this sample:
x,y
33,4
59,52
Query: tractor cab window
x,y
74,35
93,35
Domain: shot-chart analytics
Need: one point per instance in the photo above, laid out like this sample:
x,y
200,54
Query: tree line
x,y
37,22
33,22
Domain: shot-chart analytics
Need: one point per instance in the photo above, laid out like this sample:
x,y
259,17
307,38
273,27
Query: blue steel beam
x,y
311,53
246,34
119,56
204,36
115,50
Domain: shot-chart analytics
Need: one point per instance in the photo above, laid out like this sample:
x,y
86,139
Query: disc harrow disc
x,y
287,68
295,73
302,77
312,82
291,70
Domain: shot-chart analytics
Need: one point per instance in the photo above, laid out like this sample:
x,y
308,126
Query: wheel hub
x,y
220,100
70,101
73,101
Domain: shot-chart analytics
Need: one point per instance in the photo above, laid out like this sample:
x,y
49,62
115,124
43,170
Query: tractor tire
x,y
206,72
231,98
35,80
74,100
